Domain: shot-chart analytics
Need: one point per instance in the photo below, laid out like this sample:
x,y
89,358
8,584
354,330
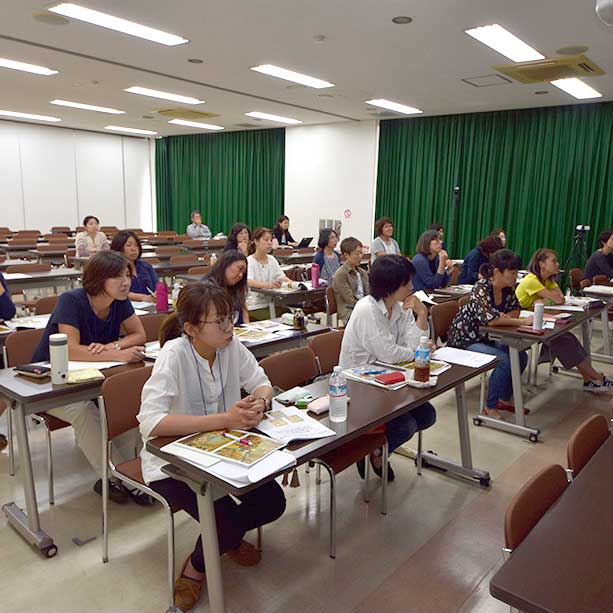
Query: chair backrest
x,y
152,323
217,242
306,250
585,283
184,259
52,247
288,369
576,274
193,243
327,350
601,280
23,241
45,305
455,275
170,250
585,441
462,300
23,233
28,268
5,230
532,501
20,346
331,307
442,315
121,394
62,229
167,233
151,260
59,238
282,251
199,270
109,228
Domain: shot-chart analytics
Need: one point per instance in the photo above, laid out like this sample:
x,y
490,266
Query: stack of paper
x,y
287,424
36,322
463,357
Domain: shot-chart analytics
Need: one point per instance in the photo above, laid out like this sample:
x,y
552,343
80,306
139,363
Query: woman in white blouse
x,y
92,240
196,386
263,272
383,328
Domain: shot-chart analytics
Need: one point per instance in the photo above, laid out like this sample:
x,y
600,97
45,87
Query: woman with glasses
x,y
196,386
432,264
230,272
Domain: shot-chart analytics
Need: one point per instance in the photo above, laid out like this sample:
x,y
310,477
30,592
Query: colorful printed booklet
x,y
291,424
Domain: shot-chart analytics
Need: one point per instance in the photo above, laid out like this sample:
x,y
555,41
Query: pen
x,y
151,292
242,441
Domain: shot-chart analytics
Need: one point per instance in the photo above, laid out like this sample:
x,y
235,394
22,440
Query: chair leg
x,y
171,558
332,513
535,364
419,453
105,507
259,542
366,488
318,477
50,465
9,437
384,485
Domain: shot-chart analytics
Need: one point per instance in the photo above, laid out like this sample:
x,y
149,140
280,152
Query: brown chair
x,y
53,247
4,230
601,280
585,283
306,250
576,274
170,250
23,243
61,230
80,229
24,233
25,268
193,243
45,305
70,253
283,251
217,243
331,307
119,405
18,349
455,275
462,300
185,259
60,238
327,350
152,322
151,260
169,233
199,270
585,442
532,501
441,316
298,367
106,229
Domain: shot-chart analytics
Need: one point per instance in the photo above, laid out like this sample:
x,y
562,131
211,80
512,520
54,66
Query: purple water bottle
x,y
161,297
315,275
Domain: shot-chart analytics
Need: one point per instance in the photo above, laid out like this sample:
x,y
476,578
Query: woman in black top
x,y
230,272
281,232
600,262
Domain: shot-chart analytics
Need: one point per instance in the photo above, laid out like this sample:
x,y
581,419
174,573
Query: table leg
x,y
27,524
210,548
272,309
606,339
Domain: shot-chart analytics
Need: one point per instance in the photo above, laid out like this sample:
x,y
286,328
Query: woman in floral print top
x,y
492,303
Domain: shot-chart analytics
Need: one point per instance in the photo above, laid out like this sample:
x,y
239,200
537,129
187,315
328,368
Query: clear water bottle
x,y
422,361
213,259
337,392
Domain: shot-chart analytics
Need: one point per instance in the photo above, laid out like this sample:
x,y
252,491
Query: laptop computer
x,y
305,242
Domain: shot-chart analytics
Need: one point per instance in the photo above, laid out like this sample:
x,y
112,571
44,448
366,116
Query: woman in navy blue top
x,y
7,308
230,272
432,264
144,278
478,256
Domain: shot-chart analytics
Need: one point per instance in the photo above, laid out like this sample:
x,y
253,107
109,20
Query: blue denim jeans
x,y
400,429
501,386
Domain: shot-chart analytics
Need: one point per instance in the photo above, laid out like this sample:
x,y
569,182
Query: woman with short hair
x,y
91,240
384,244
432,264
327,258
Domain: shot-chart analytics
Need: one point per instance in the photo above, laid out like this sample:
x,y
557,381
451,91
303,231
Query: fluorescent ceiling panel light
x,y
501,40
17,115
290,75
154,93
87,107
130,130
33,68
394,106
68,9
269,117
195,124
577,88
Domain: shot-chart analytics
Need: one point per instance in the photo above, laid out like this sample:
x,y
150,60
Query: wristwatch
x,y
267,402
117,347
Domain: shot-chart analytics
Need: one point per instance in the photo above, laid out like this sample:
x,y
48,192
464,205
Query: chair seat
x,y
53,423
346,455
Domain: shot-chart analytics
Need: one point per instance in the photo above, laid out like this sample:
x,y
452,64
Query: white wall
x,y
53,176
329,169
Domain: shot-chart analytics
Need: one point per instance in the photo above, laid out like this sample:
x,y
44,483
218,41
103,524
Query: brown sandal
x,y
187,590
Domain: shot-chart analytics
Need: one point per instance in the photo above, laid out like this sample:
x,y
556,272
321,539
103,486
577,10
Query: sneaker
x,y
607,382
3,442
598,388
187,590
116,491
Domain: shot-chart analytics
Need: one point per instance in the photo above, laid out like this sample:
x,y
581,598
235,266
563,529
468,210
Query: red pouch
x,y
390,378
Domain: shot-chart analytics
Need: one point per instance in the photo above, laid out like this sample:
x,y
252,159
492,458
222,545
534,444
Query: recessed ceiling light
x,y
68,9
33,68
130,130
402,19
277,118
195,60
577,88
87,107
394,106
290,75
195,124
154,93
507,44
17,115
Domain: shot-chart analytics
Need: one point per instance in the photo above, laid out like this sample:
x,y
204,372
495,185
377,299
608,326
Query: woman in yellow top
x,y
540,286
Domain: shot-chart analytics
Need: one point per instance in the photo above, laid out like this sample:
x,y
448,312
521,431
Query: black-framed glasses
x,y
224,323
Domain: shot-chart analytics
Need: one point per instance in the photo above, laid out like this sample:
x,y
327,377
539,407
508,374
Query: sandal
x,y
510,407
492,414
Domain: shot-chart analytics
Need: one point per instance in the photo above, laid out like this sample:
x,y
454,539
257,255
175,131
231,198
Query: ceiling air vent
x,y
188,114
245,125
551,69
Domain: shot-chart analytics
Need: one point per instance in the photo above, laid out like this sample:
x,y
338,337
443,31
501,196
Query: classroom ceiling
x,y
352,43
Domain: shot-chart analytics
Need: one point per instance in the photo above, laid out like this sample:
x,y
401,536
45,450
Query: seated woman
x,y
492,303
196,386
91,240
432,264
383,244
282,234
382,327
7,311
230,272
328,260
350,281
263,272
501,234
91,316
239,239
144,279
540,285
600,261
476,257
440,230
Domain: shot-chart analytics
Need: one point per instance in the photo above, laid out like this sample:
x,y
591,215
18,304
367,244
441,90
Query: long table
x,y
53,278
607,298
565,563
298,297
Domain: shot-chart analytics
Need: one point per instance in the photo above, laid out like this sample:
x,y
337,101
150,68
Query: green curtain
x,y
230,177
537,173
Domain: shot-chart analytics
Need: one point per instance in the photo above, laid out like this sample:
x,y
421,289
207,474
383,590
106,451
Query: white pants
x,y
85,419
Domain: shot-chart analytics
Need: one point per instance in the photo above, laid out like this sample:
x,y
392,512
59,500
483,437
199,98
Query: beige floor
x,y
435,551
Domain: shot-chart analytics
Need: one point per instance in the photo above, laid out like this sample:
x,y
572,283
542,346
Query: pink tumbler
x,y
161,297
315,275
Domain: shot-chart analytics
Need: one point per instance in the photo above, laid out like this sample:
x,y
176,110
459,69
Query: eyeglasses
x,y
225,322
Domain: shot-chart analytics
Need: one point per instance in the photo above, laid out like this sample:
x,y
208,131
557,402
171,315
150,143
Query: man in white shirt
x,y
197,229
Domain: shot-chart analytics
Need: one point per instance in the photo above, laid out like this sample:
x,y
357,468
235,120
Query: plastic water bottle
x,y
337,392
176,288
161,297
422,361
213,259
315,275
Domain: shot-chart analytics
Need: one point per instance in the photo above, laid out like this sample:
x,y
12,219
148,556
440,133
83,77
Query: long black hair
x,y
237,292
237,228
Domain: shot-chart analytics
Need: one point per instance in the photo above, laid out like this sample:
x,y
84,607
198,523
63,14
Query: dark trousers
x,y
400,429
260,506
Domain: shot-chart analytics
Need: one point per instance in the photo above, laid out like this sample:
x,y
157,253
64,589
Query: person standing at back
x,y
197,229
384,244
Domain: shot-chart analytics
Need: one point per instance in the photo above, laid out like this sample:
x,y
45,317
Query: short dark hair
x,y
388,273
238,292
350,244
194,213
603,237
324,237
88,217
423,242
382,221
121,238
490,245
436,226
540,255
502,259
100,267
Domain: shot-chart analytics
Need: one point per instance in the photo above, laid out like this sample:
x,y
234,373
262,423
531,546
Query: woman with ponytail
x,y
492,303
196,386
